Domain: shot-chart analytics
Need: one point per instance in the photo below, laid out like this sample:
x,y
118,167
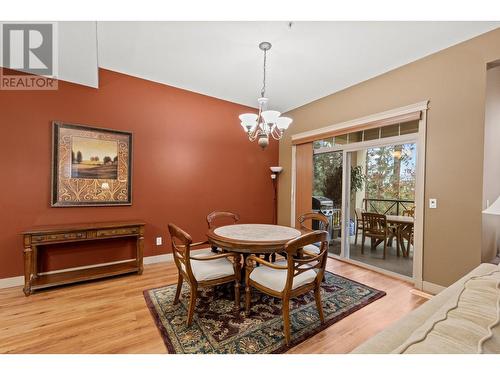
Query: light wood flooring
x,y
110,316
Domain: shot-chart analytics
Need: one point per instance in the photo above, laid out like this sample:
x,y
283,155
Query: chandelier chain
x,y
263,91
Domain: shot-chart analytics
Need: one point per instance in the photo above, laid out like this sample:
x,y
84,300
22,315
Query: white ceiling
x,y
307,61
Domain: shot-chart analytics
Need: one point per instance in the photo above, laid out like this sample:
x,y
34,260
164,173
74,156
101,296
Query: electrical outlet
x,y
159,241
433,203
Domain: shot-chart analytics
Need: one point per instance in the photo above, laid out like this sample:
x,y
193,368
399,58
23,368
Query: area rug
x,y
218,328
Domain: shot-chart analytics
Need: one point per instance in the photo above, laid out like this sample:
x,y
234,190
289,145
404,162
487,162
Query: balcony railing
x,y
387,206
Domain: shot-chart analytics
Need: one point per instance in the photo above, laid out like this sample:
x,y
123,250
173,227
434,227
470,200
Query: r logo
x,y
28,47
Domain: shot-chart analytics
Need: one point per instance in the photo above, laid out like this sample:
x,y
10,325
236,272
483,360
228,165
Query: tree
x,y
106,160
115,159
73,158
79,157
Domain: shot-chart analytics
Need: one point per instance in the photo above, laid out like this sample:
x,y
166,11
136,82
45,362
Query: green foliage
x,y
390,174
328,176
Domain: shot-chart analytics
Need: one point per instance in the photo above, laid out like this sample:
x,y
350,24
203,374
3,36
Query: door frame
x,y
420,139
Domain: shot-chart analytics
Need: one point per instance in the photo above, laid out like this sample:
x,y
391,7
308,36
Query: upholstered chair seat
x,y
312,248
210,269
276,279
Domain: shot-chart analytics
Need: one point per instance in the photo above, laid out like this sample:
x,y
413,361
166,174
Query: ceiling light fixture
x,y
266,122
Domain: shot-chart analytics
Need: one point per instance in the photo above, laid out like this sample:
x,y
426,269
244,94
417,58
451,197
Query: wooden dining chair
x,y
375,227
203,268
291,277
359,222
409,212
216,218
306,224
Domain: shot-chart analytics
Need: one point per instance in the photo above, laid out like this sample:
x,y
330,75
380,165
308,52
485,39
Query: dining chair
x,y
375,227
203,268
215,218
291,277
308,218
409,212
359,222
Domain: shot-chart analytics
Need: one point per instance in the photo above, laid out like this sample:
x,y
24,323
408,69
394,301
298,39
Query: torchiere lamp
x,y
494,209
274,176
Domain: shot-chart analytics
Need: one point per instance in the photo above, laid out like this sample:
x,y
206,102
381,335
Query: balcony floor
x,y
401,265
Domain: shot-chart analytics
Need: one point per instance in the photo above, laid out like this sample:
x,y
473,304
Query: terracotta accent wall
x,y
190,156
454,80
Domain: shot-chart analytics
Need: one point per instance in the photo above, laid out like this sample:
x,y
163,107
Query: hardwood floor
x,y
110,316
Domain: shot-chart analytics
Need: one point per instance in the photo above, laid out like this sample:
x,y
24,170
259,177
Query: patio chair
x,y
359,222
375,227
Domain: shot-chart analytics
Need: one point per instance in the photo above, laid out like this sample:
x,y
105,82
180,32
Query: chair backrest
x,y
324,223
374,223
299,264
358,212
214,217
409,212
181,248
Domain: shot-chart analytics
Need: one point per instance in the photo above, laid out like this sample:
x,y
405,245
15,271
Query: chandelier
x,y
266,123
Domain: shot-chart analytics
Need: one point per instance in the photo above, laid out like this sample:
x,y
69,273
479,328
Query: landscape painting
x,y
90,166
94,158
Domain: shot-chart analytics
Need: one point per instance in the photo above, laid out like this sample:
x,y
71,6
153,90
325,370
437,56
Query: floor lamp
x,y
494,209
274,176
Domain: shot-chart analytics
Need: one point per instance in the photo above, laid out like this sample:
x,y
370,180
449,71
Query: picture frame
x,y
91,166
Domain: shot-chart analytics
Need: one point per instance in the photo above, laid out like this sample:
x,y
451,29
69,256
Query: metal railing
x,y
387,206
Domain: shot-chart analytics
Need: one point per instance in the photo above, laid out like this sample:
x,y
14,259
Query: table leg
x,y
28,268
34,272
140,252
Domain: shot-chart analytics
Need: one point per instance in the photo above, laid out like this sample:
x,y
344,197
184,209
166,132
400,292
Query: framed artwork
x,y
90,166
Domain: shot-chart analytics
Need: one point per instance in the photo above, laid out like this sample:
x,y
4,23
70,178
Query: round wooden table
x,y
252,238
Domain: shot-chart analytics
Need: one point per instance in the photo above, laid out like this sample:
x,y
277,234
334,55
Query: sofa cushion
x,y
468,323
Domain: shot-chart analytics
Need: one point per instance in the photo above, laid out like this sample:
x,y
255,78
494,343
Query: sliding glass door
x,y
327,193
370,174
380,205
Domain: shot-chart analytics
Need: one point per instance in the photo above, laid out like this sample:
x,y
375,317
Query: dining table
x,y
404,231
252,238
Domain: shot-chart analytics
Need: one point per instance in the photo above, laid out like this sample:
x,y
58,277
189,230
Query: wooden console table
x,y
75,233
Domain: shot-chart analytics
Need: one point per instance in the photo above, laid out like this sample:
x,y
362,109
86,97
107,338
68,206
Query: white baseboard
x,y
158,258
432,288
10,282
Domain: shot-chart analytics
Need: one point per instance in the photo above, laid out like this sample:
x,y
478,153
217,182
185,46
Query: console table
x,y
46,235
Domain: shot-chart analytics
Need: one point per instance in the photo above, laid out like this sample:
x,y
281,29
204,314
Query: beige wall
x,y
454,80
491,169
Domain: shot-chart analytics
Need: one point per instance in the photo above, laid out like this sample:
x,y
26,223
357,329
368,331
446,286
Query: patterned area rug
x,y
218,328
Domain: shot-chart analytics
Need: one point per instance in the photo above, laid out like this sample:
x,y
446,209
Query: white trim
x,y
432,288
293,186
19,280
9,282
418,240
372,268
158,258
420,106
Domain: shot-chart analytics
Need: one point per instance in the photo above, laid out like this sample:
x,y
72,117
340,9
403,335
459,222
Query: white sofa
x,y
463,318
